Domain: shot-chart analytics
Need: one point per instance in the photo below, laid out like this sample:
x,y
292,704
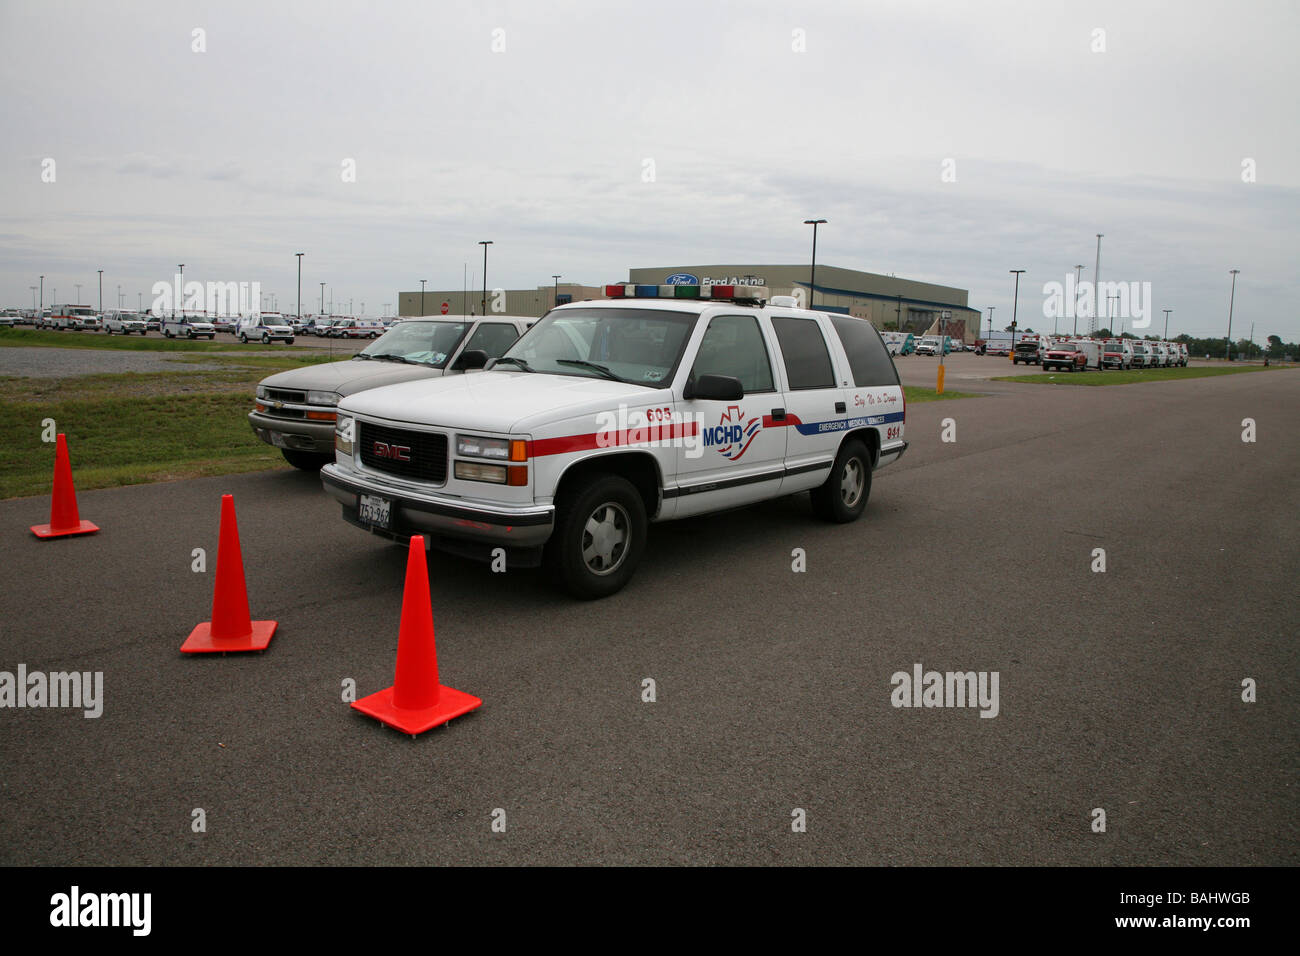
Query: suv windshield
x,y
631,345
429,343
1027,347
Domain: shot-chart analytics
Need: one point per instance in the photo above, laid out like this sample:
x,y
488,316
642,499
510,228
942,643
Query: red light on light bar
x,y
722,291
615,291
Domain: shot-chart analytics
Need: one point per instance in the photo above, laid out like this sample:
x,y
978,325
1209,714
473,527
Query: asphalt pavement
x,y
1119,690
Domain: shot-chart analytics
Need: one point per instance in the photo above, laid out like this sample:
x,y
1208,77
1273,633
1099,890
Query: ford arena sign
x,y
734,280
682,278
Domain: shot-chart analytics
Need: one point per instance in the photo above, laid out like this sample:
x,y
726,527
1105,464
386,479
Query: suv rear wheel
x,y
599,537
844,495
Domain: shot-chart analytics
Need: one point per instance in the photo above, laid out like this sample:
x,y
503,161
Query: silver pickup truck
x,y
295,410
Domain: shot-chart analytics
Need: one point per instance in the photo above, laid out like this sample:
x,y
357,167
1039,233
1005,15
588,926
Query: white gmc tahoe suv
x,y
661,402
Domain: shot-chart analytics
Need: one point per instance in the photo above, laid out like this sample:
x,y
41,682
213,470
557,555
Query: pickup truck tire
x,y
243,338
599,537
306,460
845,492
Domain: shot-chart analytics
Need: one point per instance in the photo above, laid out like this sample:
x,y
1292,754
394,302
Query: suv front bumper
x,y
441,516
293,433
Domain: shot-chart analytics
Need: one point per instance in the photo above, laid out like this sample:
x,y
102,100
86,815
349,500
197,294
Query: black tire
x,y
306,460
266,339
845,492
289,340
592,562
243,338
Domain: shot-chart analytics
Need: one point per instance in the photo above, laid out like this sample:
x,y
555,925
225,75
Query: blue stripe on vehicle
x,y
845,424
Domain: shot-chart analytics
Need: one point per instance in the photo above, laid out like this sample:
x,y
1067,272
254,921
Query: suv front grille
x,y
427,452
286,395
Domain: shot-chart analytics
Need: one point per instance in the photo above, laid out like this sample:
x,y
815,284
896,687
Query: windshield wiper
x,y
389,357
515,361
583,363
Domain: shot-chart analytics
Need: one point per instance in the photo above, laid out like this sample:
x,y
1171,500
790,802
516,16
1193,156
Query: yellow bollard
x,y
939,389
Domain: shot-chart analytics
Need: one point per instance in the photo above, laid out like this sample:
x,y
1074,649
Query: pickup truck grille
x,y
286,395
427,452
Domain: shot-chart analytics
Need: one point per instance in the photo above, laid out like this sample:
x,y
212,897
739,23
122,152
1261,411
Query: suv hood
x,y
353,375
499,400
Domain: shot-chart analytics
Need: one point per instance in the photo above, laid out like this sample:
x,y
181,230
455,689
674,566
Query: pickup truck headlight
x,y
261,391
322,398
344,432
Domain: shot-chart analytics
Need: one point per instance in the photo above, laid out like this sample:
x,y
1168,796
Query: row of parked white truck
x,y
1084,353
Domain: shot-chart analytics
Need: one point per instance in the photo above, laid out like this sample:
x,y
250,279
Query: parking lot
x,y
1119,690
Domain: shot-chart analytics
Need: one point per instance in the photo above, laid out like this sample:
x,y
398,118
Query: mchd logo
x,y
682,278
733,434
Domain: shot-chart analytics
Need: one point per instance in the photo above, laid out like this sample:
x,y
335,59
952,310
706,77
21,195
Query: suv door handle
x,y
778,414
841,407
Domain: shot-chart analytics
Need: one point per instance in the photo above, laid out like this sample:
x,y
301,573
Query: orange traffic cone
x,y
230,628
64,518
416,701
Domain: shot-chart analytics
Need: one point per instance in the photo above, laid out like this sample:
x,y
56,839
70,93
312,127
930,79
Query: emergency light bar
x,y
757,293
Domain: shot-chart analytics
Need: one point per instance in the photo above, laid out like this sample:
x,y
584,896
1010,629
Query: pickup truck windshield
x,y
429,343
632,345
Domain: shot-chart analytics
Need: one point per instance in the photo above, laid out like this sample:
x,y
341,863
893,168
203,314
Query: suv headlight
x,y
472,446
261,391
344,433
322,398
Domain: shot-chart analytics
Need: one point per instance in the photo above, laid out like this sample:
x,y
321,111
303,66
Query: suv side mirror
x,y
471,359
714,388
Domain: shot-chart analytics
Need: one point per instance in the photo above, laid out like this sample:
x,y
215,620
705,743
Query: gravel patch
x,y
66,363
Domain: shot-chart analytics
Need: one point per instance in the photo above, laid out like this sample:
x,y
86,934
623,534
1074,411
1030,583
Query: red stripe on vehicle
x,y
541,447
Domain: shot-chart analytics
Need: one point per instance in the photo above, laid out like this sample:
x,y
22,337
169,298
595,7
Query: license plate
x,y
375,511
278,440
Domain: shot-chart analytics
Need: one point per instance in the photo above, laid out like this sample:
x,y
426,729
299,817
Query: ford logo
x,y
682,278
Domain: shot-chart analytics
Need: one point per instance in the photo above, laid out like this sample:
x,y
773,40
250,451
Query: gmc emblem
x,y
393,452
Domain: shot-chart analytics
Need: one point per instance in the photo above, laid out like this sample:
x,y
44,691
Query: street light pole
x,y
1015,308
1096,283
299,255
812,276
485,243
182,294
101,291
1231,300
1166,312
1078,271
322,298
991,308
422,309
557,289
41,307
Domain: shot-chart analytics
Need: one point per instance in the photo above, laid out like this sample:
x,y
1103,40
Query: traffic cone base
x,y
49,531
451,704
201,640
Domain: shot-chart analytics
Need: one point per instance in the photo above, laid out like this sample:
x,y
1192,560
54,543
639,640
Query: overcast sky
x,y
537,125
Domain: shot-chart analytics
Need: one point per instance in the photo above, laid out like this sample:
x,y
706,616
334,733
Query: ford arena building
x,y
884,300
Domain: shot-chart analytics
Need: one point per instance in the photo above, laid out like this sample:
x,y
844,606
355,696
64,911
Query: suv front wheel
x,y
599,537
844,495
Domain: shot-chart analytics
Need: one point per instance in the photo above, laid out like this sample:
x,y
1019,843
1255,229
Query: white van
x,y
266,327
